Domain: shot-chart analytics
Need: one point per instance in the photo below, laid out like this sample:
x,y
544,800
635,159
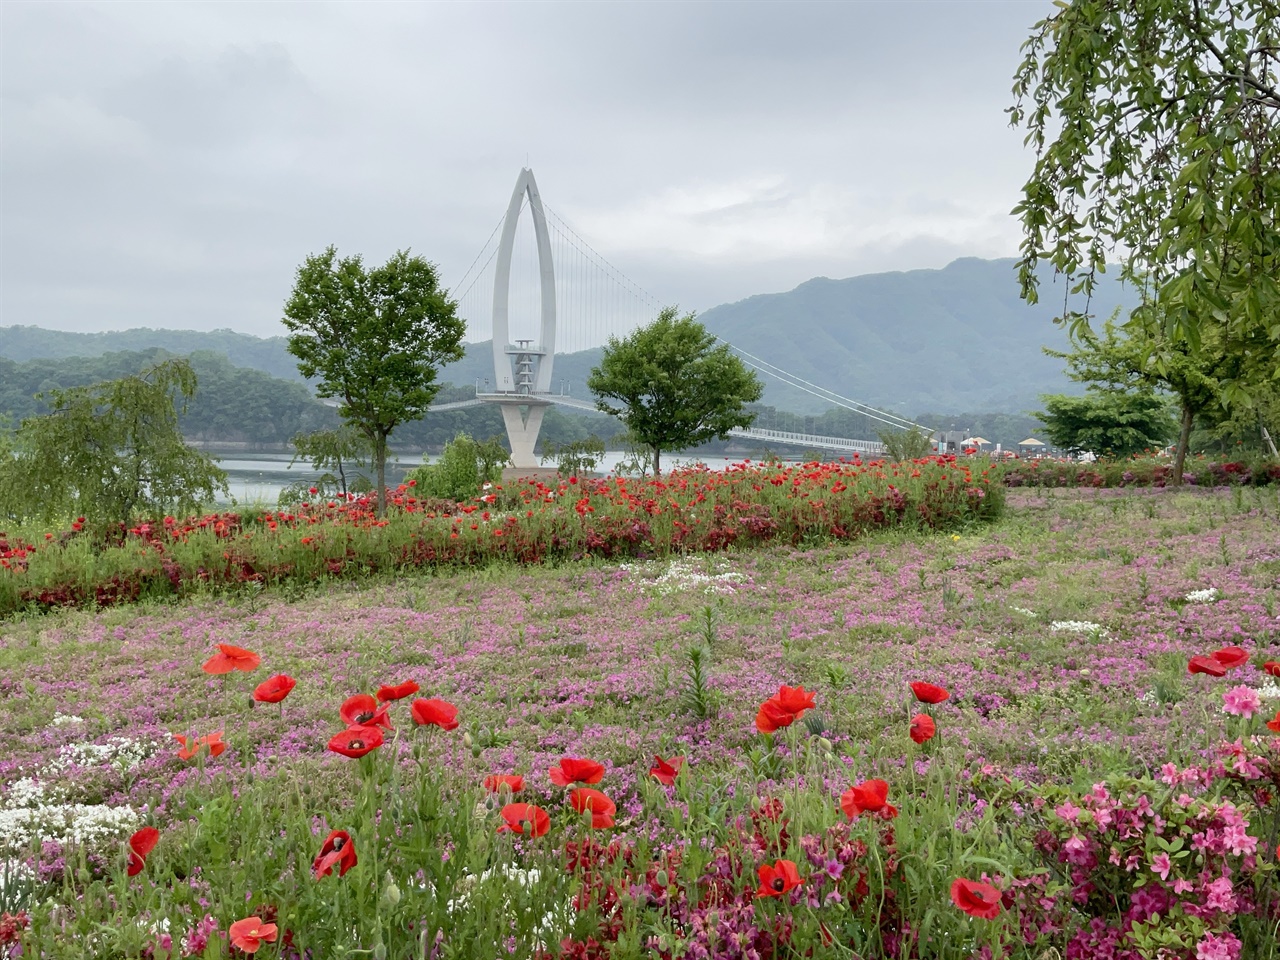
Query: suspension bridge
x,y
536,288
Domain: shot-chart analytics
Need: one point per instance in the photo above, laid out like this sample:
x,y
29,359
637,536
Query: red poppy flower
x,y
251,933
980,900
1274,725
666,771
576,770
1232,657
601,807
275,689
784,708
1272,667
525,818
189,747
1209,665
338,850
871,796
398,692
435,713
140,844
929,693
230,658
356,741
364,711
778,880
496,782
922,727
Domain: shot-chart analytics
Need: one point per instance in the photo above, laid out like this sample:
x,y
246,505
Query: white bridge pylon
x,y
522,370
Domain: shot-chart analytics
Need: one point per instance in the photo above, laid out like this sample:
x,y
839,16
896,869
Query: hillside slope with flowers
x,y
1055,734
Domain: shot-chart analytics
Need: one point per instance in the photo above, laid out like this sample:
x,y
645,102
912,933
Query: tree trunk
x,y
657,462
1184,437
380,454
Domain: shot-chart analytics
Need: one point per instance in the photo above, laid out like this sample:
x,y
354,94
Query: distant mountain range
x,y
949,340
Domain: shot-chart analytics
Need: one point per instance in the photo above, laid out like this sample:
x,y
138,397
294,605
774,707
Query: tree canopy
x,y
375,339
1156,126
1111,423
108,451
672,386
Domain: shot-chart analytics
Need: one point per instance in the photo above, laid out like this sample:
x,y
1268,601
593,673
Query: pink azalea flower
x,y
1220,896
1241,701
1218,947
1161,865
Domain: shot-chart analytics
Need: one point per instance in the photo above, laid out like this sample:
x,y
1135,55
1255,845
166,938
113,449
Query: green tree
x,y
463,467
337,452
673,387
110,450
574,456
1122,359
1156,127
375,339
1110,423
900,445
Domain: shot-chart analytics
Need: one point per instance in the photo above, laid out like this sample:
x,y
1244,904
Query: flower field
x,y
529,522
1047,735
1144,471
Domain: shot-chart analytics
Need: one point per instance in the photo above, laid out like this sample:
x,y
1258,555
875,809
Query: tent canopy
x,y
975,441
1031,442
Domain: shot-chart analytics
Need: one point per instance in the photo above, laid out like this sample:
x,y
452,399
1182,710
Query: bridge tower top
x,y
524,367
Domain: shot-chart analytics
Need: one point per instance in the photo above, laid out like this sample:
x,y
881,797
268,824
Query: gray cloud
x,y
171,164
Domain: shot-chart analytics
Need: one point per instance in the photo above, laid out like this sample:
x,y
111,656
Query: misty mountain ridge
x,y
948,340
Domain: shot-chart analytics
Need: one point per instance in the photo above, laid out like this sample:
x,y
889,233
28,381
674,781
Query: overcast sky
x,y
170,164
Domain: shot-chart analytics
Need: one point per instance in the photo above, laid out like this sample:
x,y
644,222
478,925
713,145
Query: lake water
x,y
261,478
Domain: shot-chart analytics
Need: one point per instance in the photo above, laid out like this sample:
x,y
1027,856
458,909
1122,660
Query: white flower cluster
x,y
66,823
1024,611
1269,691
36,809
65,720
1076,626
1207,595
30,792
684,575
123,753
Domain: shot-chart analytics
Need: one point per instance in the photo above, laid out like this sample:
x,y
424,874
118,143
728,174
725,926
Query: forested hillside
x,y
241,405
948,340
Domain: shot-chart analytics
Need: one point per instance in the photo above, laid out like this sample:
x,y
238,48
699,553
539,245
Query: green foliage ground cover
x,y
1061,631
